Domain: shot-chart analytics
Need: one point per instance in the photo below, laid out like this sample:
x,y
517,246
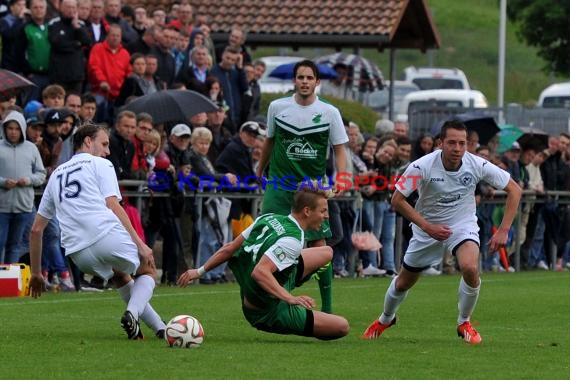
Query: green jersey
x,y
278,237
303,135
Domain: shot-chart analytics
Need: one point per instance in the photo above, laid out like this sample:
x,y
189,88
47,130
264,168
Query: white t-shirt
x,y
448,197
76,193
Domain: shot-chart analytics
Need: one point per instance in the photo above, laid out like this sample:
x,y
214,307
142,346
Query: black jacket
x,y
67,61
122,153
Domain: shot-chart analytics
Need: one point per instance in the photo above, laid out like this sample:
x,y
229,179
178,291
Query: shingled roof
x,y
403,24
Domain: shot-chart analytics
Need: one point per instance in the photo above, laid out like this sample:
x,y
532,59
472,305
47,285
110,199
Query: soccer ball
x,y
184,331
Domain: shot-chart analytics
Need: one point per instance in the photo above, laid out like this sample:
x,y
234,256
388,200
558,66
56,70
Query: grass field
x,y
524,319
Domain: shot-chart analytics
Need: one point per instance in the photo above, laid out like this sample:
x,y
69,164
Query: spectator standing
x,y
37,48
121,147
109,65
236,40
10,29
162,51
194,70
21,169
134,84
68,38
113,16
96,24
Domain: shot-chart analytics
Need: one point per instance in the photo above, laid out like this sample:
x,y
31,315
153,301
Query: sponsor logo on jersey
x,y
435,179
299,151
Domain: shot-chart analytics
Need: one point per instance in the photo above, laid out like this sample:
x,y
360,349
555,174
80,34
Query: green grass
x,y
469,33
522,317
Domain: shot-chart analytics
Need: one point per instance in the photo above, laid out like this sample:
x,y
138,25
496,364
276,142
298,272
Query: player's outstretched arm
x,y
263,275
500,237
36,237
437,231
221,256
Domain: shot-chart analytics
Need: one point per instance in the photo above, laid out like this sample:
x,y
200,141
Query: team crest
x,y
466,180
317,118
279,254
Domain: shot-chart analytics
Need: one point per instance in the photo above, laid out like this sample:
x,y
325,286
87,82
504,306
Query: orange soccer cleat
x,y
375,330
468,333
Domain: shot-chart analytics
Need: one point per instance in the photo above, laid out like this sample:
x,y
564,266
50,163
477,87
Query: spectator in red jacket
x,y
109,65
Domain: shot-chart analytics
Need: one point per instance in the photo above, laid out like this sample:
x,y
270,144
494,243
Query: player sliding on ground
x,y
96,233
445,218
268,261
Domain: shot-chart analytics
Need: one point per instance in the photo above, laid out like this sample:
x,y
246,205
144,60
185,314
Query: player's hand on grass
x,y
186,277
305,301
439,232
36,285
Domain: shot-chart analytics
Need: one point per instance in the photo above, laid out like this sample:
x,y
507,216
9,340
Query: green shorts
x,y
279,201
279,317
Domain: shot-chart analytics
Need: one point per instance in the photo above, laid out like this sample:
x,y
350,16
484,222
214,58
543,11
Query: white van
x,y
442,98
434,78
555,96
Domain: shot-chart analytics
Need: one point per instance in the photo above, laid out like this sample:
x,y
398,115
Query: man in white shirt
x,y
96,233
444,218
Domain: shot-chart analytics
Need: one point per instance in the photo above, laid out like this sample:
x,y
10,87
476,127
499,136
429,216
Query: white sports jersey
x,y
76,193
448,197
289,113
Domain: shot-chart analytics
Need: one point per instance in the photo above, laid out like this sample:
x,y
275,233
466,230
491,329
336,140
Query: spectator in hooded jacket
x,y
21,169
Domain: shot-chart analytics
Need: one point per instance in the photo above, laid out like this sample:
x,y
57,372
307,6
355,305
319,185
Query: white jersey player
x,y
444,218
96,233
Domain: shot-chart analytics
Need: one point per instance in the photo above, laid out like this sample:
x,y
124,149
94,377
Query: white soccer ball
x,y
184,331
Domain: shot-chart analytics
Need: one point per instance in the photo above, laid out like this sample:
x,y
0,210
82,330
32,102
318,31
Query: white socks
x,y
467,300
149,316
392,302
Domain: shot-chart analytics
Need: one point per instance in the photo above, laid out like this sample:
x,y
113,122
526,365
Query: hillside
x,y
469,40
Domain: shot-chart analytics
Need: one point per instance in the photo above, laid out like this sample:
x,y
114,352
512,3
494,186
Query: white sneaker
x,y
542,265
431,271
371,270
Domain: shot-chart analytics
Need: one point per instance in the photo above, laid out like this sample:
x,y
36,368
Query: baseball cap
x,y
58,115
515,146
32,108
253,127
35,121
181,130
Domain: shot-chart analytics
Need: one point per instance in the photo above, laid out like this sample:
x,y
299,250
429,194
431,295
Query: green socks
x,y
325,277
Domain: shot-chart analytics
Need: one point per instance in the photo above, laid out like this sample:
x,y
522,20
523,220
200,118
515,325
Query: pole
x,y
502,50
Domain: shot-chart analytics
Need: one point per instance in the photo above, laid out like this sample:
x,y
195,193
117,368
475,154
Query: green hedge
x,y
365,117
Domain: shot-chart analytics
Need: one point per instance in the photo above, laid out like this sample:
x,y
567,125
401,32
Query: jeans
x,y
12,226
537,245
383,221
52,255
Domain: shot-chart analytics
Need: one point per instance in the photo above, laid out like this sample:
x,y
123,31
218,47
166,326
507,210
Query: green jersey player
x,y
301,128
269,261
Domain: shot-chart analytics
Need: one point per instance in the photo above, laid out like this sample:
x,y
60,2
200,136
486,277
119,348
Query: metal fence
x,y
551,120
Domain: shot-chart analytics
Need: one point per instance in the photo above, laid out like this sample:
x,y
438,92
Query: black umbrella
x,y
533,138
171,105
12,84
485,126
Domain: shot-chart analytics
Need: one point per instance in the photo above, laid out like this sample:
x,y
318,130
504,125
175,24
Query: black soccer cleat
x,y
131,326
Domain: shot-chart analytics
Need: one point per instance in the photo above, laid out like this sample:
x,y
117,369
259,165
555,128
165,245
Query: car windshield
x,y
556,102
438,83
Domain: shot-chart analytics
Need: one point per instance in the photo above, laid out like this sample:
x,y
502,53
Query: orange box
x,y
10,280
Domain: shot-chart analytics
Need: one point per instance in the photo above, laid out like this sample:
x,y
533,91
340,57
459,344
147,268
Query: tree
x,y
544,24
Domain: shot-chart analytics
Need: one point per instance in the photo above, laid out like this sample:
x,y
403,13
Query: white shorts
x,y
424,251
115,250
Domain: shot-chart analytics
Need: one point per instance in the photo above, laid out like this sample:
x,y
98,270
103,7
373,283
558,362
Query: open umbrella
x,y
171,105
12,84
285,71
485,126
533,138
365,75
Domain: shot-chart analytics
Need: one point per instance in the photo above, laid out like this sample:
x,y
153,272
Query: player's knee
x,y
344,327
470,272
327,253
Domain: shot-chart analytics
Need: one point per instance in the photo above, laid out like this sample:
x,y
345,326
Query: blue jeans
x,y
383,221
12,226
537,245
52,254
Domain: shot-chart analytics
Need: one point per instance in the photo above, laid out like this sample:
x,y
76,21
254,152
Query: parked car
x,y
379,100
442,98
555,96
434,78
276,85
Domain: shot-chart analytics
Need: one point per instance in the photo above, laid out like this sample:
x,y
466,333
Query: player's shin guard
x,y
325,277
467,301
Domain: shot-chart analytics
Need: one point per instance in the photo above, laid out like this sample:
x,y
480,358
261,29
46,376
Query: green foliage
x,y
544,24
469,32
363,116
523,318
